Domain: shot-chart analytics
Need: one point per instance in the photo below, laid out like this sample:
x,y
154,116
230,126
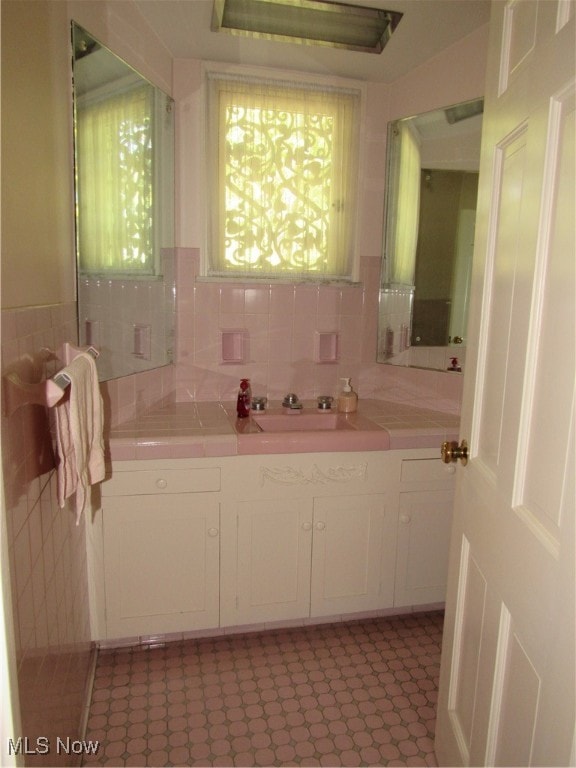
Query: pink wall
x,y
456,74
37,190
281,323
46,550
43,558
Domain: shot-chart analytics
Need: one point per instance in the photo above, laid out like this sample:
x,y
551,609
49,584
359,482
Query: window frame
x,y
210,171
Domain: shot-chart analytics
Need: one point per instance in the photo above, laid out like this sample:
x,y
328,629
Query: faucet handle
x,y
291,401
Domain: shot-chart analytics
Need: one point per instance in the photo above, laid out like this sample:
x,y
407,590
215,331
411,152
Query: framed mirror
x,y
124,195
430,211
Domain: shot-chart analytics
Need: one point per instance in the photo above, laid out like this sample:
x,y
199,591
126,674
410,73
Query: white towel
x,y
79,433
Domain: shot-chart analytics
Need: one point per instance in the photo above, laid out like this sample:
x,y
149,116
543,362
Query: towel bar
x,y
48,392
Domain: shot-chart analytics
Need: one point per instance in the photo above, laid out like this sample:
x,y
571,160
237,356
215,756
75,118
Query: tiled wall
x,y
46,549
112,312
395,317
128,396
282,323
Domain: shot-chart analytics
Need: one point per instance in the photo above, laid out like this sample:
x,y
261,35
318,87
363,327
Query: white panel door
x,y
507,684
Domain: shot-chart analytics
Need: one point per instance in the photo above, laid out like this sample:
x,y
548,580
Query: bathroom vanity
x,y
201,545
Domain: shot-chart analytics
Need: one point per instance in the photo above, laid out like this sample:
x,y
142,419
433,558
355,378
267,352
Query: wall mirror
x,y
430,212
124,195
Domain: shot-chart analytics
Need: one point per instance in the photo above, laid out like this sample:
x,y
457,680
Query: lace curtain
x,y
285,168
115,183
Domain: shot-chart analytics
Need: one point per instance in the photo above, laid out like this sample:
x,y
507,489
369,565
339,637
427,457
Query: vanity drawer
x,y
426,470
155,481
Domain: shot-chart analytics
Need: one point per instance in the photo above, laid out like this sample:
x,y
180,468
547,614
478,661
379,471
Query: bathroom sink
x,y
304,431
301,422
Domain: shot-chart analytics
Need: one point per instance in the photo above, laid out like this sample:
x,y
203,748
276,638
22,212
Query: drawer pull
x,y
213,532
320,526
405,519
306,526
161,483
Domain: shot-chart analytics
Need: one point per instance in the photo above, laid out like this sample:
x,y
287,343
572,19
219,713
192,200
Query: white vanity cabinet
x,y
424,521
307,536
199,544
160,534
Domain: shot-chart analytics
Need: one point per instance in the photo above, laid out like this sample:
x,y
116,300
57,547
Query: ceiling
x,y
426,28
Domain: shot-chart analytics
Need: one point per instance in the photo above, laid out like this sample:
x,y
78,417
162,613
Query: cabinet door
x,y
161,564
353,555
423,543
274,539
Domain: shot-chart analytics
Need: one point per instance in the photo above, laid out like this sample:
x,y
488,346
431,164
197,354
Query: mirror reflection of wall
x,y
426,267
443,256
124,158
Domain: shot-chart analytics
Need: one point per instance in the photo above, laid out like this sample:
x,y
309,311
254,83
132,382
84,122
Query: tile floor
x,y
361,693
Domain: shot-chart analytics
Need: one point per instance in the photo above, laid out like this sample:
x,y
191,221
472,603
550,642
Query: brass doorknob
x,y
451,452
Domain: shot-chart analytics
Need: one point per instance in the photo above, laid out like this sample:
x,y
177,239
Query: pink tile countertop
x,y
210,429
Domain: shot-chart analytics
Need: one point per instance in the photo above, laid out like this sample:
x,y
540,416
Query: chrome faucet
x,y
291,401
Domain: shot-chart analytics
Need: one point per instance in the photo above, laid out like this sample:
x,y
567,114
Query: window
x,y
115,170
284,169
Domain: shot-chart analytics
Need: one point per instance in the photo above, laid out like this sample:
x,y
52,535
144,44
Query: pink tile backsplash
x,y
128,396
281,323
46,550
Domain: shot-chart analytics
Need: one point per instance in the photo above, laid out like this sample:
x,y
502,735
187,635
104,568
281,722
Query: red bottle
x,y
244,401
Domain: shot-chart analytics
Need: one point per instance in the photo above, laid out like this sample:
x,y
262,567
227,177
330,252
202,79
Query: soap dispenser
x,y
347,399
244,401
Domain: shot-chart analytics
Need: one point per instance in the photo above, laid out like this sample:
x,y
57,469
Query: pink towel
x,y
79,426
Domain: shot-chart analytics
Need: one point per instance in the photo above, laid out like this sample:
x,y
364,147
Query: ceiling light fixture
x,y
310,22
464,111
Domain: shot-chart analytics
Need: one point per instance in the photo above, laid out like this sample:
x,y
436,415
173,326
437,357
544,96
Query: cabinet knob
x,y
405,518
306,526
161,483
213,532
320,526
